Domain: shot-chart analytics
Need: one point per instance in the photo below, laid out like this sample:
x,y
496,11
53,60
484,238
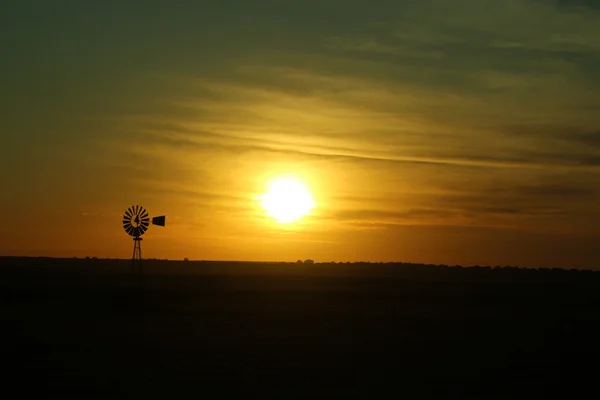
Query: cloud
x,y
477,105
593,5
541,200
529,207
587,139
556,190
413,83
463,113
327,125
386,215
189,140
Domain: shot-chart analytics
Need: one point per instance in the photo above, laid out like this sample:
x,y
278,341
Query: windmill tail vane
x,y
160,221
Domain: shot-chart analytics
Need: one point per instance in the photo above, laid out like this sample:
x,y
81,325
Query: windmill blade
x,y
136,221
160,221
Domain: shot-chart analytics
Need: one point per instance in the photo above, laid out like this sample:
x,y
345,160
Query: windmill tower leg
x,y
136,260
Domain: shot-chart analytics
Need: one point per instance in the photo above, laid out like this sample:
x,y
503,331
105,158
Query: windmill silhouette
x,y
136,222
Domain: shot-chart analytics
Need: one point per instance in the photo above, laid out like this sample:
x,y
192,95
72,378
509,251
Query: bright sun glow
x,y
287,200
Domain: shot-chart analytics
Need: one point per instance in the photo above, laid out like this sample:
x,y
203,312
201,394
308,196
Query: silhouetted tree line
x,y
400,269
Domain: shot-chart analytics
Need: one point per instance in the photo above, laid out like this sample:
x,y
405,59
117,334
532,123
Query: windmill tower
x,y
136,221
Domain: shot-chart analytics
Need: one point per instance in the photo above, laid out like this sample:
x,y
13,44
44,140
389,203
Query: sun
x,y
287,200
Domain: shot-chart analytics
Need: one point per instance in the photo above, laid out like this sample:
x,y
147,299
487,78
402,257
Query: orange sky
x,y
425,132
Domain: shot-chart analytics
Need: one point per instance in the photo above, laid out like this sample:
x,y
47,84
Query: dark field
x,y
84,328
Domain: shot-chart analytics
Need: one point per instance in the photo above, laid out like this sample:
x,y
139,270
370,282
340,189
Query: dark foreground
x,y
83,328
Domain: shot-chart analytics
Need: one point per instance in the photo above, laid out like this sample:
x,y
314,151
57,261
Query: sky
x,y
446,132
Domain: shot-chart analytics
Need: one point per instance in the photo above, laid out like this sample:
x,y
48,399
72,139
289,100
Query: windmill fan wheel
x,y
136,221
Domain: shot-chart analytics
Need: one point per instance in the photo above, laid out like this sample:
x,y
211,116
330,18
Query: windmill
x,y
136,221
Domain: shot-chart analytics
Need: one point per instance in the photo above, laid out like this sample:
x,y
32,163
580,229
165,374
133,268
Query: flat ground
x,y
85,328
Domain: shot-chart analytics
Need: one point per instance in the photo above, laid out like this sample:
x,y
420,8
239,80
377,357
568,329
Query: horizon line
x,y
303,262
